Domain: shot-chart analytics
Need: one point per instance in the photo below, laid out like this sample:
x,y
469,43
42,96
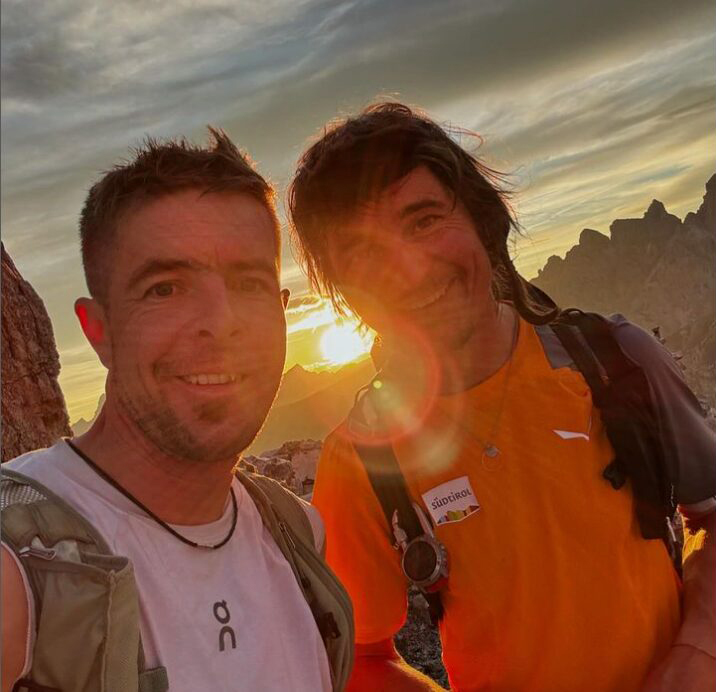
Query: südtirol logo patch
x,y
451,501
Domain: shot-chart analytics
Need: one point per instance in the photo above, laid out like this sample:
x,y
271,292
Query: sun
x,y
342,343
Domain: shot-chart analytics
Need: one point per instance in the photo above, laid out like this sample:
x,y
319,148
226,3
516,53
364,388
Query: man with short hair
x,y
542,572
181,253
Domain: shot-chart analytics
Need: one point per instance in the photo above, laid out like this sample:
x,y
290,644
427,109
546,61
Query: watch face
x,y
420,561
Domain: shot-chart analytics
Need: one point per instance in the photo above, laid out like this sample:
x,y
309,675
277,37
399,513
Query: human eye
x,y
253,284
162,289
425,223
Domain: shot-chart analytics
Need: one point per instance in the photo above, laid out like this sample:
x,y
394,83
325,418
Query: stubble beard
x,y
450,334
158,422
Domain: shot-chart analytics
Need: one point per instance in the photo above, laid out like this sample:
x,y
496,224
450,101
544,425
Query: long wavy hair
x,y
356,158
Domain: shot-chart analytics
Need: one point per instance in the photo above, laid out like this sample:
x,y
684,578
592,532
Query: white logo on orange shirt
x,y
451,501
569,435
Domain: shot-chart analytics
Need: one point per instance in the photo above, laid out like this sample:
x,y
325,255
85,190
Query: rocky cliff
x,y
293,464
657,271
33,408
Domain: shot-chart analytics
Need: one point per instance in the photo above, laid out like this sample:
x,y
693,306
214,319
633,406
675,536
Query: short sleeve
x,y
358,547
689,442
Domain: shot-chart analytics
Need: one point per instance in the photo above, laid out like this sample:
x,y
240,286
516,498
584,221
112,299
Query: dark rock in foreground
x,y
418,642
33,408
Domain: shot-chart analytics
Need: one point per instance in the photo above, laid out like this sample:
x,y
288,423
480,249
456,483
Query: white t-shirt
x,y
227,619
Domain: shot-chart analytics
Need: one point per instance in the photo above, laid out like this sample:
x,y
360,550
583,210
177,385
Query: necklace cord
x,y
488,446
104,475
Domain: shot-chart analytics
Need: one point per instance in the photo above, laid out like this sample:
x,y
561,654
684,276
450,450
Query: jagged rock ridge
x,y
81,426
656,270
33,408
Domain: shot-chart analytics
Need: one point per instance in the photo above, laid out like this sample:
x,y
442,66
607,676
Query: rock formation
x,y
81,425
418,641
33,408
311,404
293,464
656,270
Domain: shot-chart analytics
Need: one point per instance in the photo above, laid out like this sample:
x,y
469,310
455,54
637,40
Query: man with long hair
x,y
544,578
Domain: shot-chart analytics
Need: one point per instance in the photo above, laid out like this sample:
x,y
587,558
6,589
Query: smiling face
x,y
411,261
195,321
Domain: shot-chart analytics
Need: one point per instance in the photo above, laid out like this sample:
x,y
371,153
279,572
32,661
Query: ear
x,y
93,320
285,295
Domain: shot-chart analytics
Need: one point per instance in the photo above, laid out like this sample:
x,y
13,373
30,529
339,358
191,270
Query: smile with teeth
x,y
214,378
428,299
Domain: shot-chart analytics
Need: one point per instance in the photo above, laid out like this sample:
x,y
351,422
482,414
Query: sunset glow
x,y
343,343
614,110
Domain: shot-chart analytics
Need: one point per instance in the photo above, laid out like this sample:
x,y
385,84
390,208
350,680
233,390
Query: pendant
x,y
490,458
491,451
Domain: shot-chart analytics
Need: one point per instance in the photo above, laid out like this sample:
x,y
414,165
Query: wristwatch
x,y
425,558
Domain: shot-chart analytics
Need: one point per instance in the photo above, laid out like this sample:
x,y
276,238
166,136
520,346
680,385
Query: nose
x,y
402,268
217,314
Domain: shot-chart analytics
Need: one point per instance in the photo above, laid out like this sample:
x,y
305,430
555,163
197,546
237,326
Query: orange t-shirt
x,y
551,586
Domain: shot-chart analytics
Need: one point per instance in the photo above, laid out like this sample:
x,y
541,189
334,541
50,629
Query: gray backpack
x,y
86,606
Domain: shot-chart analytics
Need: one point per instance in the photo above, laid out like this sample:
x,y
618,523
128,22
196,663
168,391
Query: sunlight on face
x,y
341,343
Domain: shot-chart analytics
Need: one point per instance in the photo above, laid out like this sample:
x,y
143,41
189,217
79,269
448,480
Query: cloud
x,y
83,376
597,106
277,70
312,318
304,303
608,143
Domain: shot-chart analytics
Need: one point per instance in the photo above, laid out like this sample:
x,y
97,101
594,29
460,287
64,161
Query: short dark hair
x,y
356,158
157,168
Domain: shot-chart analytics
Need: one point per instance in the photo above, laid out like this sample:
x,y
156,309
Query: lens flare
x,y
342,343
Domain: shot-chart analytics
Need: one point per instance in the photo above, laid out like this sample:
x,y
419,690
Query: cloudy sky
x,y
595,107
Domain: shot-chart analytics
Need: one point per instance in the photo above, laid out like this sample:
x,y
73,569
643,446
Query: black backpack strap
x,y
584,359
389,486
621,392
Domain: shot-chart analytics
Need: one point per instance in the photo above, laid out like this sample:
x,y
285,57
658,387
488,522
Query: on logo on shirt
x,y
222,614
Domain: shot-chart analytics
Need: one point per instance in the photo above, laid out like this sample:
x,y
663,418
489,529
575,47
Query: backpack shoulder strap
x,y
381,465
621,391
589,339
285,518
30,509
80,589
287,505
583,357
387,481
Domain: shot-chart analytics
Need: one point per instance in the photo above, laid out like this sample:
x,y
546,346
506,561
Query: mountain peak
x,y
590,237
655,270
656,210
